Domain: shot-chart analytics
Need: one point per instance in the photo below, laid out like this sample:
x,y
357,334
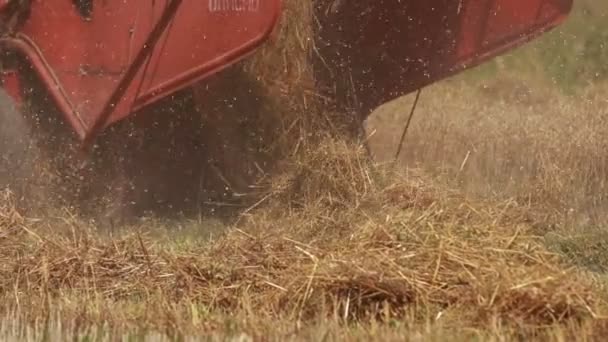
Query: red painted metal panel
x,y
490,27
81,60
393,47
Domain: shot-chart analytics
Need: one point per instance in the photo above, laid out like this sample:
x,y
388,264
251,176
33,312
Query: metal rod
x,y
407,125
125,82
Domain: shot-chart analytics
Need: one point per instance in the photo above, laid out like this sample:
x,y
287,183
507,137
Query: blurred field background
x,y
529,126
492,227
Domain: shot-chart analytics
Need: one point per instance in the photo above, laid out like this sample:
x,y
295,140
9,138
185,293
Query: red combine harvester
x,y
100,61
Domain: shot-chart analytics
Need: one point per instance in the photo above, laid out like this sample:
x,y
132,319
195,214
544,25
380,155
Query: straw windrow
x,y
342,245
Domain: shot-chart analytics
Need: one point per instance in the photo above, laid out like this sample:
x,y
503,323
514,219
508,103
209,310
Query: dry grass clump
x,y
266,109
334,174
344,245
282,64
284,68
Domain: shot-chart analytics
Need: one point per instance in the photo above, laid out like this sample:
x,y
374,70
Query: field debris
x,y
334,239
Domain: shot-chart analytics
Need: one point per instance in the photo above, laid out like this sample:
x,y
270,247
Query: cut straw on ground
x,y
338,243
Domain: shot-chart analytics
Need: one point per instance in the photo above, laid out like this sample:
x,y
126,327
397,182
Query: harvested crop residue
x,y
335,240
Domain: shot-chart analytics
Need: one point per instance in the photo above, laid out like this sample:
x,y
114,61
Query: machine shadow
x,y
197,153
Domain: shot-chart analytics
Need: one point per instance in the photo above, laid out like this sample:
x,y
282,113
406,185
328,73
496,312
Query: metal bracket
x,y
124,84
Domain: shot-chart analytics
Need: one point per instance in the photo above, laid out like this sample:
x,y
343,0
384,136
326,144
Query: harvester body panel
x,y
388,48
82,53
